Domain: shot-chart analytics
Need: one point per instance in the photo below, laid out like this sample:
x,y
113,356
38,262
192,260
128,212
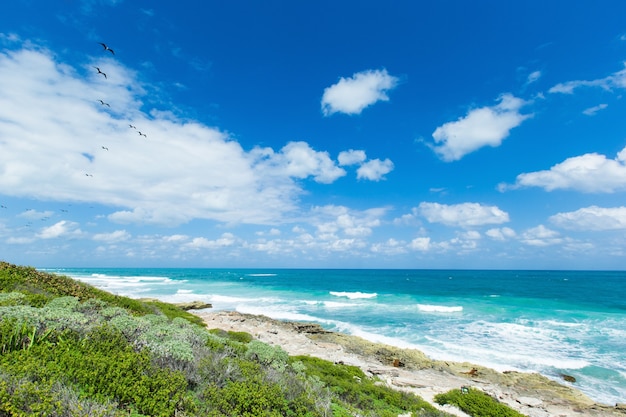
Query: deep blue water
x,y
551,322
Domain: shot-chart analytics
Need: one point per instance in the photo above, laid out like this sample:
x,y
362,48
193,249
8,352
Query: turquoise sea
x,y
551,322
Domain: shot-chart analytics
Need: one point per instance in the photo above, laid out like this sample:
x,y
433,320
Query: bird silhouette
x,y
106,48
100,72
105,148
104,104
88,175
132,127
142,134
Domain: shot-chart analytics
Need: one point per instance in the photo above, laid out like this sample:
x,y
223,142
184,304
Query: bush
x,y
358,393
103,366
476,403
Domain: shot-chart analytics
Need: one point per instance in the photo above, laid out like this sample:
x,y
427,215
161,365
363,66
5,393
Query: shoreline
x,y
411,370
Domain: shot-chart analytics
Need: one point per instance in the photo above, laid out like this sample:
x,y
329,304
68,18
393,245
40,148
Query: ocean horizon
x,y
552,322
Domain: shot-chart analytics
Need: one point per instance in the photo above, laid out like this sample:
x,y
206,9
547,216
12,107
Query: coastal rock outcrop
x,y
194,305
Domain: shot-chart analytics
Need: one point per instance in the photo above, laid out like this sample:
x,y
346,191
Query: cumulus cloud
x,y
615,80
64,228
332,221
590,173
462,215
501,234
421,244
541,236
117,236
299,160
227,239
389,247
353,95
591,111
61,144
592,218
485,126
351,157
374,170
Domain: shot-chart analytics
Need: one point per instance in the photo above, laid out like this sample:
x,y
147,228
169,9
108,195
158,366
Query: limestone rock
x,y
194,305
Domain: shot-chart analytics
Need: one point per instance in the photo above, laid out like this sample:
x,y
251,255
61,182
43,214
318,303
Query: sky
x,y
313,134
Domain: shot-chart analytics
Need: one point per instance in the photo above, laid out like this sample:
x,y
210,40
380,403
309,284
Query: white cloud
x,y
462,215
353,95
591,173
299,160
117,236
180,171
331,220
227,239
615,80
485,126
541,236
501,234
533,77
351,157
420,244
592,218
374,170
35,215
63,228
591,111
389,247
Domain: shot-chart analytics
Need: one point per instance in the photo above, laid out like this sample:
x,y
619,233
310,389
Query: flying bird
x,y
100,72
132,127
88,175
105,148
143,134
106,48
103,103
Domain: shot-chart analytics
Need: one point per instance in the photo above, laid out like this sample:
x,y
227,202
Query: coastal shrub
x,y
249,392
11,299
42,286
104,367
357,392
476,403
272,356
241,337
22,397
172,312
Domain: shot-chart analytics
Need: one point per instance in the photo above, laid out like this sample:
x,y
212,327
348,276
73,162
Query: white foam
x,y
336,304
431,308
261,275
353,295
276,314
228,299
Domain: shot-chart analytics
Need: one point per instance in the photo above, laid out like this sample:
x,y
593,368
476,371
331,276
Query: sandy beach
x,y
410,370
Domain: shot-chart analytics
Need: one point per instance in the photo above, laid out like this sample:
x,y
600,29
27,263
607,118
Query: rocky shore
x,y
411,370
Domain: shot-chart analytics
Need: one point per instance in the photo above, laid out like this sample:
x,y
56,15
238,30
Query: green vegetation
x,y
355,391
69,349
476,403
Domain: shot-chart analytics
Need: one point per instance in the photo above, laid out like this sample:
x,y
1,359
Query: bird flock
x,y
106,48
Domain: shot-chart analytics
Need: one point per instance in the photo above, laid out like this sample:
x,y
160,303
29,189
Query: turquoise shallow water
x,y
552,322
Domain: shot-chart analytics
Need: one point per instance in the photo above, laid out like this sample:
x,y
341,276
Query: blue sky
x,y
352,134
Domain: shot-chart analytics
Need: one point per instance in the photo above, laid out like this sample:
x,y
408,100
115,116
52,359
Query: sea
x,y
550,322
